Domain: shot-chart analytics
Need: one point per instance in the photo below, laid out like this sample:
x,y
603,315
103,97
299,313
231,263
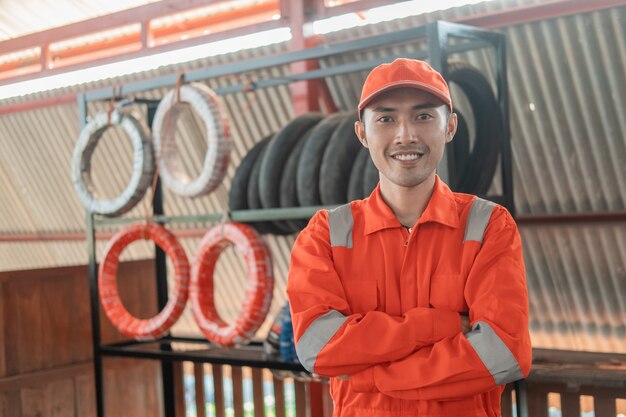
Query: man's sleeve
x,y
330,340
497,350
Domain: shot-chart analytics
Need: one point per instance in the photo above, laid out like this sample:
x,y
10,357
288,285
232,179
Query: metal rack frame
x,y
437,35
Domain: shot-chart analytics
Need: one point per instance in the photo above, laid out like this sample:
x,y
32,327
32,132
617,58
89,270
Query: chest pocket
x,y
447,290
362,295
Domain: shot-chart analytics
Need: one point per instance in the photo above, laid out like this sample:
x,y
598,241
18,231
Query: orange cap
x,y
404,72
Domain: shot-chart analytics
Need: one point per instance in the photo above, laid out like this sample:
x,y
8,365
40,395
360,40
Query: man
x,y
383,291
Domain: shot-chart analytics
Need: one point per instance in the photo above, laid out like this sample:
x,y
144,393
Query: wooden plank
x,y
39,378
537,403
56,321
3,370
237,378
153,393
61,399
31,354
506,402
315,399
180,406
198,373
10,307
279,397
301,400
604,407
33,402
218,389
257,392
127,390
85,395
327,400
81,319
570,404
13,403
22,303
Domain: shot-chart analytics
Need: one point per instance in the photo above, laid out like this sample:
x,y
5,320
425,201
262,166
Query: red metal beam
x,y
303,97
352,7
212,37
244,14
103,23
525,220
80,236
37,104
144,38
552,219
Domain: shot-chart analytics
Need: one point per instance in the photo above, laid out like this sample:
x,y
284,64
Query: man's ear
x,y
359,129
451,127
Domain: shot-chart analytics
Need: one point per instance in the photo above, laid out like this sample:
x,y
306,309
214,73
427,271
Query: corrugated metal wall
x,y
567,85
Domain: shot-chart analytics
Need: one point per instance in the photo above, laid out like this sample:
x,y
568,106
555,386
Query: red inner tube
x,y
126,323
258,293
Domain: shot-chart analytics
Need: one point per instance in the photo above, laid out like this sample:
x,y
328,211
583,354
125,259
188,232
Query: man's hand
x,y
465,324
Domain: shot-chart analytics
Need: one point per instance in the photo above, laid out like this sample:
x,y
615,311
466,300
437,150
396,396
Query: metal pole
x,y
437,38
503,101
94,297
95,313
167,368
521,398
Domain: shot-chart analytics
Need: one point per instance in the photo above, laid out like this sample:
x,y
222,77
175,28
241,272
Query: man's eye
x,y
424,116
385,119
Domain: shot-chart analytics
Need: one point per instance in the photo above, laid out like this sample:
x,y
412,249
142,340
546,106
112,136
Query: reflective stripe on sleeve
x,y
316,336
478,219
494,354
340,226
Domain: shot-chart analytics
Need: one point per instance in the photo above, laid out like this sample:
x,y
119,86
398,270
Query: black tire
x,y
337,162
478,175
288,183
276,155
311,160
370,177
238,194
355,185
460,148
254,201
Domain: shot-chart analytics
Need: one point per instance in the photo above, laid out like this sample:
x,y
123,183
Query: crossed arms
x,y
425,353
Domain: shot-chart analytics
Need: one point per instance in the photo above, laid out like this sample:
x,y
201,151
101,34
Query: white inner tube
x,y
204,102
142,170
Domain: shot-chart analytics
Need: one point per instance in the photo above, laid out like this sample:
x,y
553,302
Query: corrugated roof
x,y
566,85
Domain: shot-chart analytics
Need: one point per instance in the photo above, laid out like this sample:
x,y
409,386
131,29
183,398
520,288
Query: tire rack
x,y
438,49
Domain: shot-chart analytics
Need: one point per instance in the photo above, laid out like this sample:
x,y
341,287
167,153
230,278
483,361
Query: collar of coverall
x,y
441,208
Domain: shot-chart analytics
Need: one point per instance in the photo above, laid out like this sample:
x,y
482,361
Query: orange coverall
x,y
371,301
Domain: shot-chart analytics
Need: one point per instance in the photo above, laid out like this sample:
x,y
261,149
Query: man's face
x,y
406,131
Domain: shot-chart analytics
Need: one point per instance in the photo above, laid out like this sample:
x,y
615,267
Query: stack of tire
x,y
197,284
316,160
479,140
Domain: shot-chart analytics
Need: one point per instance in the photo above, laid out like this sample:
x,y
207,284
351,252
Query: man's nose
x,y
405,133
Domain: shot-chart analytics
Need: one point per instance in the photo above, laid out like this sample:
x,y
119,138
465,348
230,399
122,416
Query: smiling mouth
x,y
407,157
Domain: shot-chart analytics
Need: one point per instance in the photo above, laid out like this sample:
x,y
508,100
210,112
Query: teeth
x,y
409,157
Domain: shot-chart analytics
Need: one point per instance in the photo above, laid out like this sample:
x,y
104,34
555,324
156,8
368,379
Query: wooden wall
x,y
46,351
